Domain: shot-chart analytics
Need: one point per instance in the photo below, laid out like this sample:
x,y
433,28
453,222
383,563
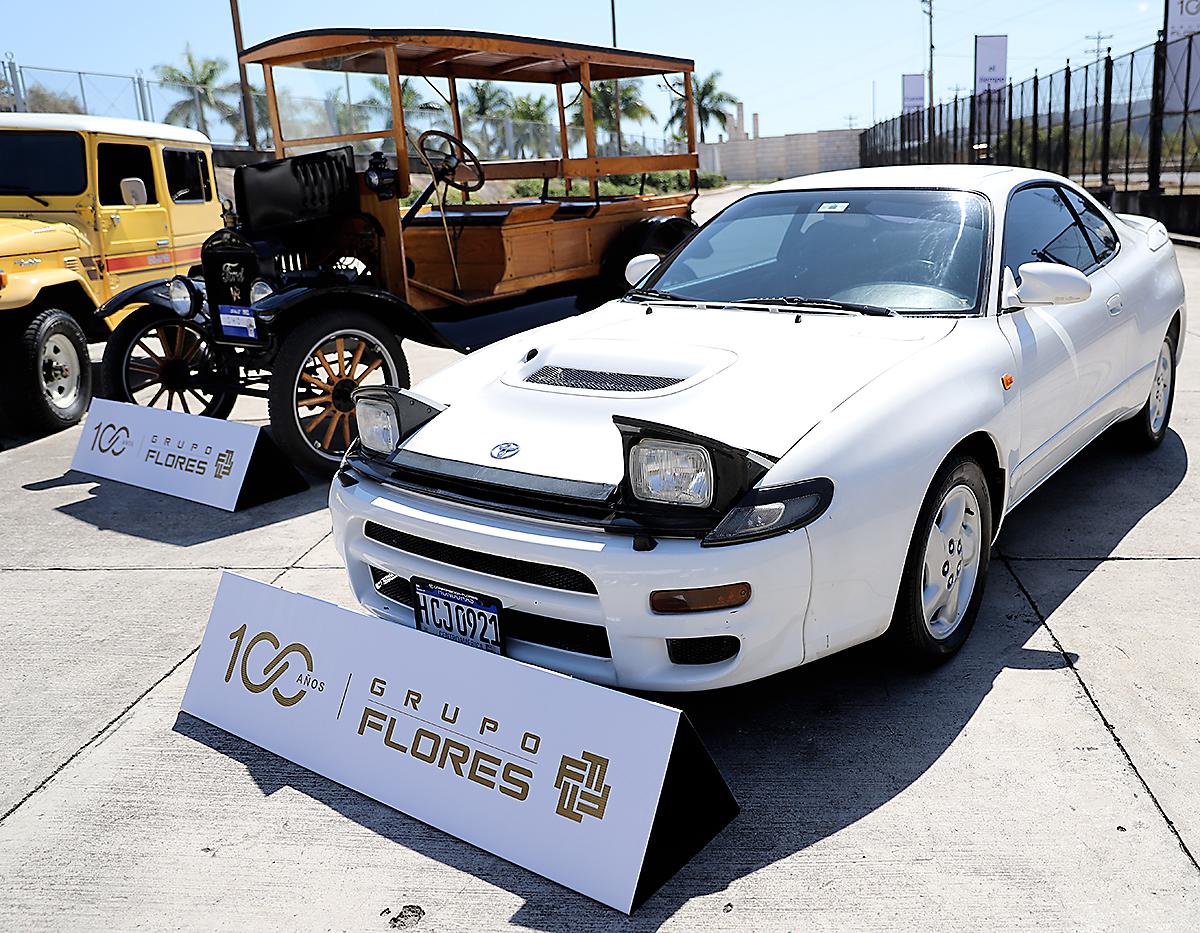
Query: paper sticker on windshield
x,y
833,207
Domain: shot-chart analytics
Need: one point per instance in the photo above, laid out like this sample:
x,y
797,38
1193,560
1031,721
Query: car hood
x,y
20,236
754,379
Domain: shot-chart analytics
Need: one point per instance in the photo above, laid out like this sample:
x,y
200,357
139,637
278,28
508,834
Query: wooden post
x,y
398,129
690,103
456,119
589,124
247,98
273,110
564,141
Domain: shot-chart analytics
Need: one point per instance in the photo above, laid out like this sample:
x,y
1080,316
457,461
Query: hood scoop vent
x,y
591,380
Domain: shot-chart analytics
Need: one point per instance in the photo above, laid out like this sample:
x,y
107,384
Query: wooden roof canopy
x,y
454,53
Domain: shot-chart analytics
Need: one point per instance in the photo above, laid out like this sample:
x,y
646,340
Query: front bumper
x,y
378,529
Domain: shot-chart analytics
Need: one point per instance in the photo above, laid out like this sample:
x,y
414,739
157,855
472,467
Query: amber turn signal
x,y
3,278
727,596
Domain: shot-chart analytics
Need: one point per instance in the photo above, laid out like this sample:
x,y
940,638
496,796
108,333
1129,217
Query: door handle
x,y
115,219
1115,304
161,242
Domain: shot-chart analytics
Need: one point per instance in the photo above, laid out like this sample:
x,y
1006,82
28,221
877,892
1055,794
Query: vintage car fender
x,y
882,448
290,305
147,293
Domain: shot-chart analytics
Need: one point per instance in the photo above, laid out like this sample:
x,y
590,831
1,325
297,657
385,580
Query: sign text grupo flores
x,y
600,791
209,460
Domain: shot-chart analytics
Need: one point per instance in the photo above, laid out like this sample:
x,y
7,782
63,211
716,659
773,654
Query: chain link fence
x,y
1126,124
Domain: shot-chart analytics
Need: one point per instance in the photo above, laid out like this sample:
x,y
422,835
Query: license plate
x,y
237,321
462,616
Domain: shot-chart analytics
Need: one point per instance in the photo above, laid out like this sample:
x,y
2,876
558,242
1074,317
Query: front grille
x,y
599,382
702,650
523,626
556,578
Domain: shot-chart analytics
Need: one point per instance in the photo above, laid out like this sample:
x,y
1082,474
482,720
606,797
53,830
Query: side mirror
x,y
133,192
1045,283
640,266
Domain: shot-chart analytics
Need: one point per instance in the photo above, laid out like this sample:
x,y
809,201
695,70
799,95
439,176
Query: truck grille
x,y
523,626
596,381
556,578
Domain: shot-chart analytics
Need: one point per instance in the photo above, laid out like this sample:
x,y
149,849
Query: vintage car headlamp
x,y
378,425
379,177
668,471
772,510
184,296
260,289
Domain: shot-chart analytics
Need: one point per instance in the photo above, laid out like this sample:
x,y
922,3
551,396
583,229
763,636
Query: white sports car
x,y
800,431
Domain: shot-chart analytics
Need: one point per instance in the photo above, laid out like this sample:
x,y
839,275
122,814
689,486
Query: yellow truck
x,y
89,207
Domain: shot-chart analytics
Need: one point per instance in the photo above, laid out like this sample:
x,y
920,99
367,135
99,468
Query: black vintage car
x,y
320,273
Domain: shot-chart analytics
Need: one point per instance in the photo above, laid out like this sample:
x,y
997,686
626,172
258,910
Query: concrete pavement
x,y
1046,778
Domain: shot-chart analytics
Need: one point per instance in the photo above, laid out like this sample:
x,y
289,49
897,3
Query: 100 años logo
x,y
274,669
110,438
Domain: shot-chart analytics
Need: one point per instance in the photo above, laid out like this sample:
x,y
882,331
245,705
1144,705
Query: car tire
x,y
161,350
314,433
1145,430
946,567
51,382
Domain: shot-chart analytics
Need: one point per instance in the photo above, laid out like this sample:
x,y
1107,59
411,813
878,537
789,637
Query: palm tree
x,y
531,119
485,100
198,80
633,106
262,119
711,105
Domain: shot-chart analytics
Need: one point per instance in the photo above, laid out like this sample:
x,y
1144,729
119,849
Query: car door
x,y
191,201
136,239
1068,356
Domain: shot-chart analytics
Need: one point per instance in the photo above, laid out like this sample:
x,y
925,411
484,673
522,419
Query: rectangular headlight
x,y
667,471
378,426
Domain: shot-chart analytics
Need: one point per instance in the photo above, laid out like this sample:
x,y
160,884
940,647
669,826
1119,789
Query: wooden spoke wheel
x,y
160,361
319,366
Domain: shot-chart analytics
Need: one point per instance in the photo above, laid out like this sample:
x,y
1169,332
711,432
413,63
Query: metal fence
x,y
1128,124
218,113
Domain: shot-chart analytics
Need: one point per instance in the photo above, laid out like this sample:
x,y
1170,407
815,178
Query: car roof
x,y
993,180
115,126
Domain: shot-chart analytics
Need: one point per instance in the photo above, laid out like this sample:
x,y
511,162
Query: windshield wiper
x,y
657,295
799,301
22,189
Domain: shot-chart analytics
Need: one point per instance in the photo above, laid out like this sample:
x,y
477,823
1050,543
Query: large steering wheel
x,y
444,161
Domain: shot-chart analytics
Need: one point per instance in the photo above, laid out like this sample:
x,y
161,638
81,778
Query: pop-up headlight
x,y
772,510
378,426
668,471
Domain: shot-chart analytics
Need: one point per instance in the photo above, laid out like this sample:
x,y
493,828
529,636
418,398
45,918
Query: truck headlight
x,y
668,471
378,426
260,289
772,510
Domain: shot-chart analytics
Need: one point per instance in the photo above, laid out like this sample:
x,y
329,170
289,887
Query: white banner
x,y
202,459
913,89
991,64
555,774
1183,18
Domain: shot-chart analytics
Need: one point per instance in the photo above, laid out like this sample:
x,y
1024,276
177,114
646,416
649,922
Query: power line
x,y
1098,51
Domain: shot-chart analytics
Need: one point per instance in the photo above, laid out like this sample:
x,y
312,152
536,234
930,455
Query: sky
x,y
801,65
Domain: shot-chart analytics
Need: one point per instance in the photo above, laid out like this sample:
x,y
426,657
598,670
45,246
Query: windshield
x,y
41,163
914,251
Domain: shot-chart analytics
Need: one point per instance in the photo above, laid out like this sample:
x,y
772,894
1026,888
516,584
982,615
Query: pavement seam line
x,y
138,699
1099,712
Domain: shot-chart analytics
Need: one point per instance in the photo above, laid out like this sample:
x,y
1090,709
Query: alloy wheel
x,y
951,568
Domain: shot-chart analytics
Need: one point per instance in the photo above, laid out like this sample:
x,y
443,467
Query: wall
x,y
770,157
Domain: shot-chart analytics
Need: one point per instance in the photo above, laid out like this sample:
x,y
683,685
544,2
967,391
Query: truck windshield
x,y
913,251
42,163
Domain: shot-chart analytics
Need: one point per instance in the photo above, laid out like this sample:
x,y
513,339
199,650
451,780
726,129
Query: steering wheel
x,y
925,270
445,164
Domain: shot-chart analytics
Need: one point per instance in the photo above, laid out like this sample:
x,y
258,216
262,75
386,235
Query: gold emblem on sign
x,y
581,788
274,669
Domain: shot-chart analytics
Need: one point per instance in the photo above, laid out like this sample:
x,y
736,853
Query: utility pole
x,y
927,6
851,119
247,98
616,86
1098,50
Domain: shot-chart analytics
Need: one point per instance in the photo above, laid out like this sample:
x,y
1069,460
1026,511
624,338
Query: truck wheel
x,y
318,366
657,235
156,359
53,379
